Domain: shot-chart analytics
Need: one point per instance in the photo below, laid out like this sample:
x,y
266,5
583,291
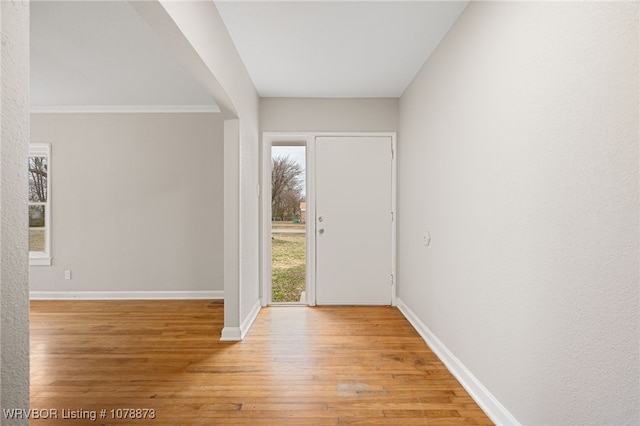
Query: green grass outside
x,y
36,239
288,258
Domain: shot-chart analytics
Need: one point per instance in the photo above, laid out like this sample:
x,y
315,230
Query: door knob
x,y
321,231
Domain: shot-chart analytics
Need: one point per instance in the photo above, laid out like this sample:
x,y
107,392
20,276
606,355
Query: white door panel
x,y
353,220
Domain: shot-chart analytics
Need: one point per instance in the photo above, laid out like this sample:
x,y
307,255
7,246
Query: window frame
x,y
43,258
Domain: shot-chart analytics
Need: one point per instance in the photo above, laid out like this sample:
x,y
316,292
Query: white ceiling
x,y
336,48
102,53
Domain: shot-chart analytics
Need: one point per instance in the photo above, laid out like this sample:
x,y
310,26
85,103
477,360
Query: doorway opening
x,y
288,223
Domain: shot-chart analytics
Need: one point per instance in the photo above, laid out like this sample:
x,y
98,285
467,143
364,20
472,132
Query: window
x,y
39,204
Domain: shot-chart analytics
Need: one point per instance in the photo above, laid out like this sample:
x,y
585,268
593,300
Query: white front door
x,y
354,220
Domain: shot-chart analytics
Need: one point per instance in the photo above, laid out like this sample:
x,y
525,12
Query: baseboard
x,y
250,319
489,404
231,334
234,334
124,295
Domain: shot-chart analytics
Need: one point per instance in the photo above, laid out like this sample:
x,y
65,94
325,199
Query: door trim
x,y
267,140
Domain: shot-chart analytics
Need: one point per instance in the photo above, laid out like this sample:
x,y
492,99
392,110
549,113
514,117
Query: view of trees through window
x,y
286,188
38,175
288,226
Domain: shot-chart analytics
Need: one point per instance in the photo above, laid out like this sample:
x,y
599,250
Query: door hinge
x,y
391,280
392,217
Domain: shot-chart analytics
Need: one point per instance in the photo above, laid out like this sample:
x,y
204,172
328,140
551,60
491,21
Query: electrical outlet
x,y
67,274
427,238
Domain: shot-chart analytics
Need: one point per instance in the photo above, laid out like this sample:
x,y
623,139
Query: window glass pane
x,y
38,179
36,217
37,228
36,239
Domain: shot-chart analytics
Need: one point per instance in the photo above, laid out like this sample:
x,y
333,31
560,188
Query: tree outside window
x,y
39,202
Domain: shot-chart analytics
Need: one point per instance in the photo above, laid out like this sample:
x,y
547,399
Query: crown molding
x,y
123,109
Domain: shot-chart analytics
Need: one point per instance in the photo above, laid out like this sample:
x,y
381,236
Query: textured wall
x,y
136,202
518,151
14,138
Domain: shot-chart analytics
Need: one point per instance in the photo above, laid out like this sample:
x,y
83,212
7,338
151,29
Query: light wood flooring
x,y
297,365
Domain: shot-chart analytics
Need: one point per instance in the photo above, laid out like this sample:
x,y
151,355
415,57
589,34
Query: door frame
x,y
309,138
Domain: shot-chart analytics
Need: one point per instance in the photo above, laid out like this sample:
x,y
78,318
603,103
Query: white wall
x,y
14,138
136,202
518,151
197,34
328,115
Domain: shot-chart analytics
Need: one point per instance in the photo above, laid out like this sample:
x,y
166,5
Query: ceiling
x,y
336,48
102,54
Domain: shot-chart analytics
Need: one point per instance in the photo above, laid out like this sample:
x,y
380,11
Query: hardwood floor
x,y
297,365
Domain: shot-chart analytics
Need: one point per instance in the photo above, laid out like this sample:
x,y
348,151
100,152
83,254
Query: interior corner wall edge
x,y
519,154
136,202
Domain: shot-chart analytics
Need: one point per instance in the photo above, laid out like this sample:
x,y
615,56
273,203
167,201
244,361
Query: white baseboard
x,y
231,334
250,319
489,404
124,295
234,334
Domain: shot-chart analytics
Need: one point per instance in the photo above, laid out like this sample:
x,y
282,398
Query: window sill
x,y
40,261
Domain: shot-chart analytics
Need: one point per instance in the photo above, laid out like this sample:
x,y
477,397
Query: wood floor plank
x,y
297,365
